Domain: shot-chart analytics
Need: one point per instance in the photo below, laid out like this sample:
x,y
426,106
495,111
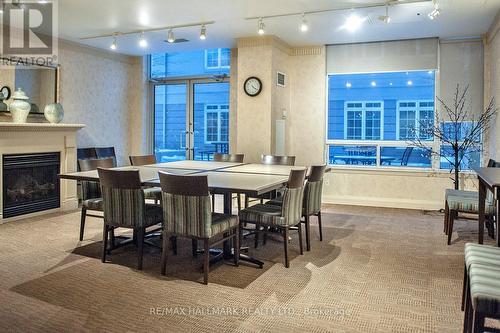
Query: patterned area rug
x,y
377,270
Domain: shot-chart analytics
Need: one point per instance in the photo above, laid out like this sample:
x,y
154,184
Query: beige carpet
x,y
377,270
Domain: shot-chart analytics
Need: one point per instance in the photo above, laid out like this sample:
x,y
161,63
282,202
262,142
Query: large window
x,y
373,117
217,58
216,123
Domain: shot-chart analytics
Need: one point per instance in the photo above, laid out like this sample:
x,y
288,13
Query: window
x,y
217,58
373,116
416,119
470,159
216,123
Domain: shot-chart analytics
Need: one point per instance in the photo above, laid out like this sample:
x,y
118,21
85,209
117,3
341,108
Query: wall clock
x,y
252,86
5,93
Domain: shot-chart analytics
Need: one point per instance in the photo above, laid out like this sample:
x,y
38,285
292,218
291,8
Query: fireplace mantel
x,y
32,138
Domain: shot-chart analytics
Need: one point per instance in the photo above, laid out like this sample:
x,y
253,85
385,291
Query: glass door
x,y
171,135
191,120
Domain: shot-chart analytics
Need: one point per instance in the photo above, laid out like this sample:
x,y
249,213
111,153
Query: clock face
x,y
5,93
253,86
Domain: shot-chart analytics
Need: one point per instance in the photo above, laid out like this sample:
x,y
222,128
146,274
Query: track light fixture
x,y
142,41
203,32
435,12
261,30
114,44
170,36
304,26
385,18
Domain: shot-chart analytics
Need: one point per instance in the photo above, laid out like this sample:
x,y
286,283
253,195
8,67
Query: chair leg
x,y
464,288
194,247
264,235
320,227
299,226
446,213
140,246
213,202
308,232
104,242
257,232
285,242
478,320
82,222
173,239
236,253
164,254
112,238
247,201
451,218
238,197
206,260
467,309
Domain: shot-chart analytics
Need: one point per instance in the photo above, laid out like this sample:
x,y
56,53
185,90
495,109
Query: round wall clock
x,y
5,92
252,86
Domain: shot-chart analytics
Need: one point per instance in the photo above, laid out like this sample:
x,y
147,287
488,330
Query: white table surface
x,y
144,173
194,165
283,170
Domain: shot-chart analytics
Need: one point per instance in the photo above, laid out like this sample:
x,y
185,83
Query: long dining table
x,y
224,178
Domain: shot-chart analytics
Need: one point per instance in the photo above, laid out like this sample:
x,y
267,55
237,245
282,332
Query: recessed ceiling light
x,y
353,23
390,83
410,82
430,72
304,26
261,30
348,85
373,84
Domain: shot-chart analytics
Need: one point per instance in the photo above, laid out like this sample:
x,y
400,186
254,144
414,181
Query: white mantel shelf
x,y
39,127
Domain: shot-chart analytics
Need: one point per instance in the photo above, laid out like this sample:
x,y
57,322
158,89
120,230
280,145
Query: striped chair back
x,y
142,160
277,160
313,190
123,198
293,197
220,157
92,189
187,207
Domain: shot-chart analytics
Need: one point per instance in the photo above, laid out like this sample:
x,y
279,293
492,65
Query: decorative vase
x,y
54,113
19,108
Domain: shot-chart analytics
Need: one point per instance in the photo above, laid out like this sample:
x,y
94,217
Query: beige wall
x,y
492,81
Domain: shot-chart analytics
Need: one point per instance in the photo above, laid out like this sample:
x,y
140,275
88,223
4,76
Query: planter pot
x,y
54,113
19,108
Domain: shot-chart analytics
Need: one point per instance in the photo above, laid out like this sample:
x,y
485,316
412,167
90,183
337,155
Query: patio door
x,y
191,119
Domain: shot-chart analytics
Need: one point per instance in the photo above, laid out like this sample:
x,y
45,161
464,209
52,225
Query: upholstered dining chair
x,y
124,207
106,152
280,217
91,191
459,201
187,213
237,158
311,206
271,160
151,193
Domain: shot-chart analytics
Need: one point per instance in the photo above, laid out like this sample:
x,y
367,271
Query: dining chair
x,y
313,192
187,213
105,152
459,201
280,217
271,160
236,158
91,190
151,193
124,207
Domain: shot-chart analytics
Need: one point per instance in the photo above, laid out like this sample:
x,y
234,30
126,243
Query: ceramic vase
x,y
54,113
19,108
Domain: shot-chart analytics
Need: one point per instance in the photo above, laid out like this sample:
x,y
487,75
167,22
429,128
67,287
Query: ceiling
x,y
81,18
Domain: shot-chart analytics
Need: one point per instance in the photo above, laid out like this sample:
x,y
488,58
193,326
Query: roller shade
x,y
406,55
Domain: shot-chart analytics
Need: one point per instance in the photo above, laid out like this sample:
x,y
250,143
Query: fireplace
x,y
30,183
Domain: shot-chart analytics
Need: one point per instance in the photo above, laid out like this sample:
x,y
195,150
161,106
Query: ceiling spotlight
x,y
304,26
42,1
170,36
203,32
373,84
142,41
261,30
353,23
435,12
114,44
348,85
410,82
385,18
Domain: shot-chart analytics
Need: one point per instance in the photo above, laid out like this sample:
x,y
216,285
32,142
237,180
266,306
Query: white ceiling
x,y
80,18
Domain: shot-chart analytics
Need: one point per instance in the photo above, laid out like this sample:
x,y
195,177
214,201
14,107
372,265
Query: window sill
x,y
421,172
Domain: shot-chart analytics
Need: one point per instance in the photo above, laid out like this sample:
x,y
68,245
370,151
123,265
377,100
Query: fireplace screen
x,y
30,183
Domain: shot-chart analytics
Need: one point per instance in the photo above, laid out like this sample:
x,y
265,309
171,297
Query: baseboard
x,y
70,204
383,202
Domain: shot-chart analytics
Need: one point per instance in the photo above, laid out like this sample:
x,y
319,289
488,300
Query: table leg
x,y
228,209
497,217
482,204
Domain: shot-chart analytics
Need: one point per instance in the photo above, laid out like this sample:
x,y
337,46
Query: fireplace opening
x,y
30,183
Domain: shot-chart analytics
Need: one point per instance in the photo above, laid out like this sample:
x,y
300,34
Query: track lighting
x,y
142,41
114,44
435,12
304,26
385,18
170,36
261,30
203,32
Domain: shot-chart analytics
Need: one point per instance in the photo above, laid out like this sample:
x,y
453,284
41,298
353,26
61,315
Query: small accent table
x,y
489,178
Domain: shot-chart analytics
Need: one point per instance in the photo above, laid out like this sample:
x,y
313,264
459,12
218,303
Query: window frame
x,y
364,110
219,59
417,109
219,110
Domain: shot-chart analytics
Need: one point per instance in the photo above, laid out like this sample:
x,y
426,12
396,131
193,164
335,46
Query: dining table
x,y
489,179
224,178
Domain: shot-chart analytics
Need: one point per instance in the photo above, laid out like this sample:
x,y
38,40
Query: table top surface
x,y
490,176
194,165
266,169
145,173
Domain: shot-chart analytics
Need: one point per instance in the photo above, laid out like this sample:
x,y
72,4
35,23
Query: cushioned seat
x,y
485,289
152,193
263,214
223,222
460,193
468,204
93,204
